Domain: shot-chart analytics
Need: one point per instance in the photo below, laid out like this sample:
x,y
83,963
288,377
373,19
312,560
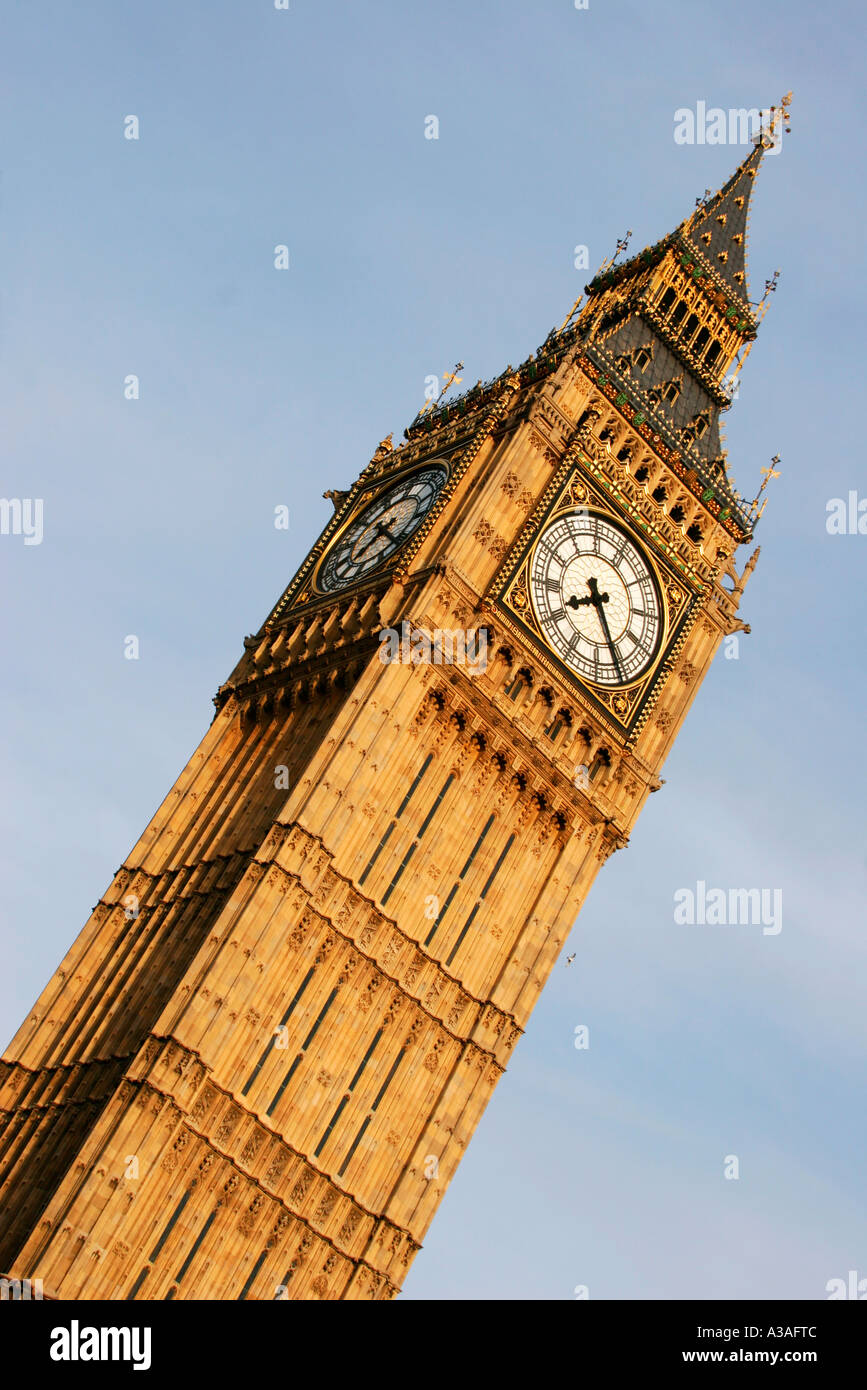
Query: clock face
x,y
381,529
595,598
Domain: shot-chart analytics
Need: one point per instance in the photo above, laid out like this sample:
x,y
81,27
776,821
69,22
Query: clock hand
x,y
378,530
597,600
594,597
605,628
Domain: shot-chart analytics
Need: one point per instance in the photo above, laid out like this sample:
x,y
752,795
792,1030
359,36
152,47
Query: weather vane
x,y
622,244
449,379
768,473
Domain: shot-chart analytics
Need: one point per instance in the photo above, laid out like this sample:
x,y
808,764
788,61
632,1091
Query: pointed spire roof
x,y
718,229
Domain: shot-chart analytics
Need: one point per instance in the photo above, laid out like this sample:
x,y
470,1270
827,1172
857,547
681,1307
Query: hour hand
x,y
594,597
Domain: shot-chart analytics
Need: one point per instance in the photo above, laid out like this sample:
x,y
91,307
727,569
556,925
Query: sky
x,y
602,1169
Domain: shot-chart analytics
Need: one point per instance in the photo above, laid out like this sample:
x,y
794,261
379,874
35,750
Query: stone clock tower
x,y
259,1065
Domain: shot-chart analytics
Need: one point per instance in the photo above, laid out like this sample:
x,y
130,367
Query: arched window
x,y
712,353
642,359
701,340
667,300
520,682
691,326
694,533
601,762
658,493
562,720
672,391
678,314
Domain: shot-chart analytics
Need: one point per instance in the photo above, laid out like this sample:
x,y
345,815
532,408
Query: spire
x,y
670,328
718,227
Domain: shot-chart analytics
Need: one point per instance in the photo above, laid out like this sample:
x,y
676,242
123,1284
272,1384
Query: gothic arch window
x,y
694,533
691,326
625,454
641,358
667,300
678,314
702,425
624,363
701,340
642,474
671,391
712,353
677,513
658,493
562,720
600,764
521,682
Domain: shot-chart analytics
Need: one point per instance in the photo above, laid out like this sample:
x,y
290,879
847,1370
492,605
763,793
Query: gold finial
x,y
606,265
449,379
778,116
785,114
622,244
770,288
768,473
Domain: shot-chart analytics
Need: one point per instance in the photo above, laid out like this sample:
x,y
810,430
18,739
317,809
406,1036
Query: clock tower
x,y
259,1065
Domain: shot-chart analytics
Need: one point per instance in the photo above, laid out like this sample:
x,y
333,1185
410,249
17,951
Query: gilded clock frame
x,y
365,500
624,705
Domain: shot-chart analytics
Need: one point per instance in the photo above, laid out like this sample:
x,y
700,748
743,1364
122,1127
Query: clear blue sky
x,y
257,127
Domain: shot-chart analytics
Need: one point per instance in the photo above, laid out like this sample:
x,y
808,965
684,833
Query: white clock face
x,y
381,529
595,598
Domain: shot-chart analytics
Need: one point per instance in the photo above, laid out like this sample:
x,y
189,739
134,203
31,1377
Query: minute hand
x,y
597,599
